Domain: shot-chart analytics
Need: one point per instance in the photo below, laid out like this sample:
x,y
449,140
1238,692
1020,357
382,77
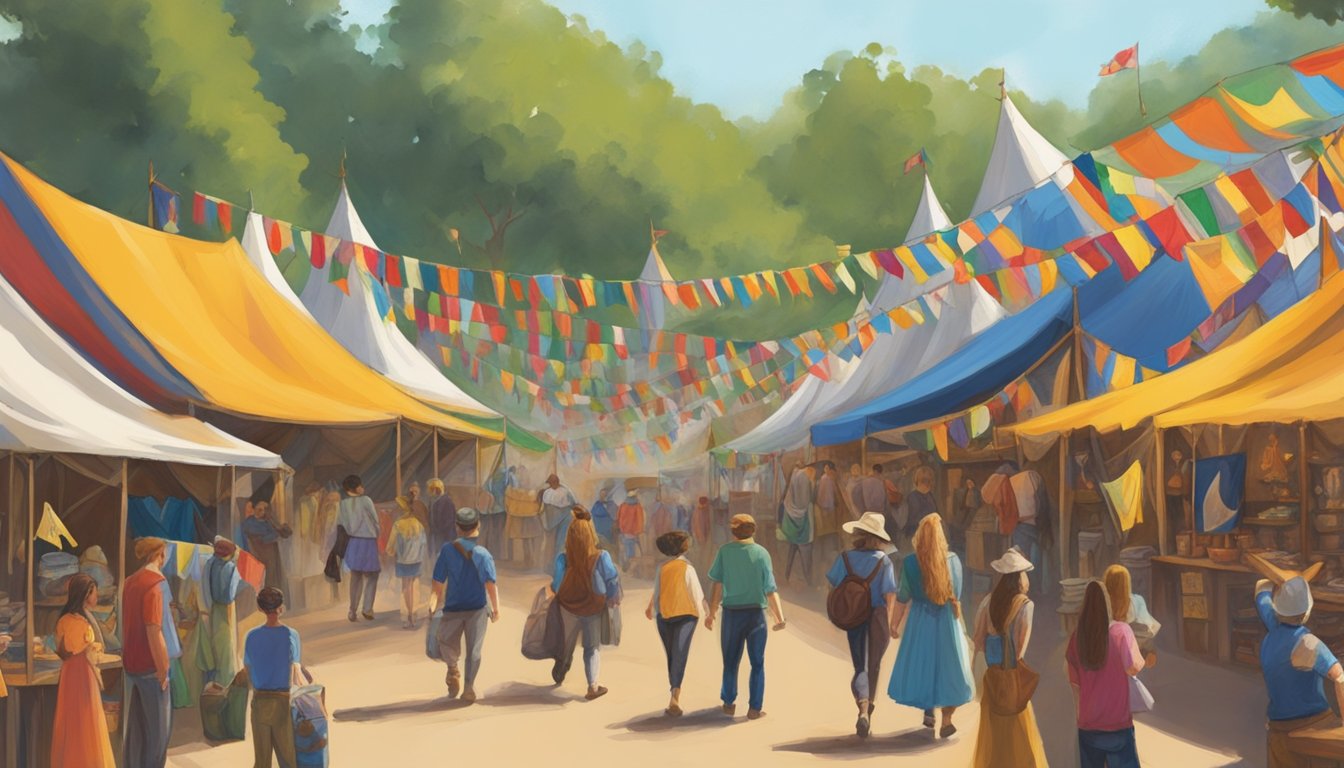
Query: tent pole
x,y
151,201
435,453
1303,483
233,503
121,576
32,530
10,515
398,461
1065,508
1159,455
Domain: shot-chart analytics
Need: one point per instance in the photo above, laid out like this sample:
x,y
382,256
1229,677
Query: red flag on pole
x,y
920,158
1126,59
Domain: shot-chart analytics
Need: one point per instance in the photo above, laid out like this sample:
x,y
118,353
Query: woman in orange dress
x,y
79,737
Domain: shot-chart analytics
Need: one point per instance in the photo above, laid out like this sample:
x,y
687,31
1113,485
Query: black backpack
x,y
850,604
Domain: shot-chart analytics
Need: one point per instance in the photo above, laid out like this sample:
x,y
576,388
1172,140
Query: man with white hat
x,y
1294,662
863,603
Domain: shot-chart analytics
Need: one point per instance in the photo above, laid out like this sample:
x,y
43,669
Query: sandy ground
x,y
388,707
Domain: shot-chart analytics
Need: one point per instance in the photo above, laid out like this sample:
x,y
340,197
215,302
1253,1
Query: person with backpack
x,y
1008,736
272,659
464,584
586,583
863,602
676,606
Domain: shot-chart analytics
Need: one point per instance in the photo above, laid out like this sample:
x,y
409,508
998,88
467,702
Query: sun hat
x,y
872,523
1012,562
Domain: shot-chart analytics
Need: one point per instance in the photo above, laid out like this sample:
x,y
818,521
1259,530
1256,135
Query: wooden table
x,y
1194,593
1322,744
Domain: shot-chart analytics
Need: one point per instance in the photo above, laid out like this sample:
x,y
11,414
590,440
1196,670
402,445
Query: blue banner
x,y
1220,484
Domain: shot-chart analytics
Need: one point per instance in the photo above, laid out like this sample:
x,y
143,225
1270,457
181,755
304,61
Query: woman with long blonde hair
x,y
933,668
585,584
1130,608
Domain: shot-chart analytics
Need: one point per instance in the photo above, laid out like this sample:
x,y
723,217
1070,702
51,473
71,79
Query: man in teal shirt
x,y
743,581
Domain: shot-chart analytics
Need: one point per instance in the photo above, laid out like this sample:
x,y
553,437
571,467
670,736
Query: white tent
x,y
354,320
1021,159
651,306
53,401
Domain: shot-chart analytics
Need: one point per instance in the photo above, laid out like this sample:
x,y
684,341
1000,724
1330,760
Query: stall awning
x,y
208,315
965,378
1296,343
53,401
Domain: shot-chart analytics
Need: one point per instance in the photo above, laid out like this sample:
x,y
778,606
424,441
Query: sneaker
x,y
947,731
352,617
755,714
672,710
558,672
730,709
862,726
368,616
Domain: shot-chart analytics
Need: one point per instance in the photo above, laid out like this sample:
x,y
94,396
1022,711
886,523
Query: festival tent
x,y
357,318
53,401
1021,159
1299,342
258,252
651,279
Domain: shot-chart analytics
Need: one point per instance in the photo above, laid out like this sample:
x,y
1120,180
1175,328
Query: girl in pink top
x,y
1102,656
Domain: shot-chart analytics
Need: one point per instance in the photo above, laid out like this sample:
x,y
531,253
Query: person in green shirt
x,y
743,580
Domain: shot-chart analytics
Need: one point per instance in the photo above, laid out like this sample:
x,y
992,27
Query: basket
x,y
1224,556
521,503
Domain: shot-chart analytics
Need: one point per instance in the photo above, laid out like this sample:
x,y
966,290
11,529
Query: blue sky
x,y
744,54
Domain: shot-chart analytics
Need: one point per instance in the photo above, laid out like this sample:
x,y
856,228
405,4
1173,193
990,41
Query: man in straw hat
x,y
1294,662
868,641
146,621
743,581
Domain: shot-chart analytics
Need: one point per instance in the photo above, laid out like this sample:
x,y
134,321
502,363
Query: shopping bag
x,y
432,636
542,634
224,710
611,626
1140,700
308,710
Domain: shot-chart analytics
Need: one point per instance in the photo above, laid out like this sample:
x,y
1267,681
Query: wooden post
x,y
398,460
32,602
233,503
151,222
1303,485
121,585
434,473
1159,451
11,515
1065,508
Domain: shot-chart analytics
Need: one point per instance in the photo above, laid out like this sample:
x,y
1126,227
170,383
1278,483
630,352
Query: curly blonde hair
x,y
931,554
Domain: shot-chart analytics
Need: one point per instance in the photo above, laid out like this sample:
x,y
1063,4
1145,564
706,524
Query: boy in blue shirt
x,y
464,584
271,658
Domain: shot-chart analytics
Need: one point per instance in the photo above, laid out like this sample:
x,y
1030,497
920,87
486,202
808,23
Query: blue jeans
x,y
149,723
1108,749
629,548
676,636
1028,539
744,627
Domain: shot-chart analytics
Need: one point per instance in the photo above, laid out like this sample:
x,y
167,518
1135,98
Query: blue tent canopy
x,y
1147,315
965,378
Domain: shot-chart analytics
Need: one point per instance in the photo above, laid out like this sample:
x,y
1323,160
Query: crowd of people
x,y
877,594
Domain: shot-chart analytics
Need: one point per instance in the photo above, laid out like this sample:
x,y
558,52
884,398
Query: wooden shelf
x,y
1277,522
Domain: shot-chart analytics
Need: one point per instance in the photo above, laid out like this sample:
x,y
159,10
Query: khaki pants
x,y
1280,753
272,728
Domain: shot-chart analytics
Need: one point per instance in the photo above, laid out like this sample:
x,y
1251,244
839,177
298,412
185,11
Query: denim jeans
x,y
149,722
1108,749
744,628
867,645
676,635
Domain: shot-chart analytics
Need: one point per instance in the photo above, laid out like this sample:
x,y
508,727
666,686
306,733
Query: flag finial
x,y
1003,84
341,172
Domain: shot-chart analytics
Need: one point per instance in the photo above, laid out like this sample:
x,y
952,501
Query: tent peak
x,y
1021,159
929,217
345,222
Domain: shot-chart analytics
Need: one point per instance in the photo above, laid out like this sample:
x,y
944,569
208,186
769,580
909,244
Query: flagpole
x,y
151,194
1138,79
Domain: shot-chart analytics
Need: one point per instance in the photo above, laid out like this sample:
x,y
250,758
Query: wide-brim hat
x,y
872,523
632,494
1013,561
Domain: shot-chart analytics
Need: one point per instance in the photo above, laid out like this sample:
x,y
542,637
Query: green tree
x,y
1328,11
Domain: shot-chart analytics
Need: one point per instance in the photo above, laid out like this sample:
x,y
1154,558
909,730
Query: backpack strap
x,y
461,550
877,568
849,572
1009,636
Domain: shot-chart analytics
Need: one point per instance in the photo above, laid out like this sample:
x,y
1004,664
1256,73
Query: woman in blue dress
x,y
933,669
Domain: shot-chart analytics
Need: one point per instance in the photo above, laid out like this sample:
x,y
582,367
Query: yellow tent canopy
x,y
1303,343
214,318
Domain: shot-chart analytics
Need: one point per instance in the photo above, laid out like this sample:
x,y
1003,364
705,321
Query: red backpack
x,y
850,604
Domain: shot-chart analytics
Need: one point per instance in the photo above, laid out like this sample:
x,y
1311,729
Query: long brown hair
x,y
581,551
1118,588
1092,639
81,584
1002,598
931,554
